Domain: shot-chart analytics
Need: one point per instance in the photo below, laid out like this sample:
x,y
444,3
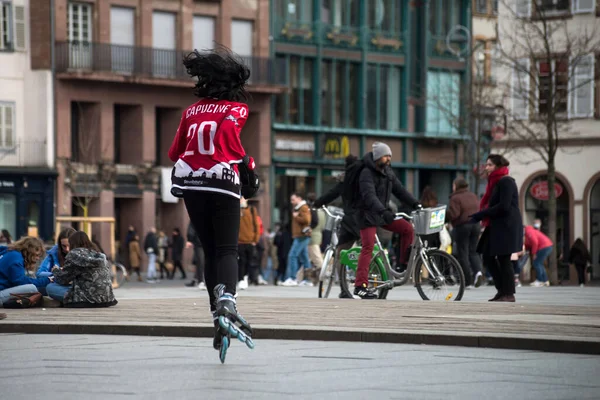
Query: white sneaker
x,y
289,282
581,285
306,283
202,286
243,284
150,280
261,281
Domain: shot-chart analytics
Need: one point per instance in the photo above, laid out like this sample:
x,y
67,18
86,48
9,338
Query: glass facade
x,y
351,79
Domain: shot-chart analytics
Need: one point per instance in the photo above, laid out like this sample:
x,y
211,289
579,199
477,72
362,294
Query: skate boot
x,y
228,323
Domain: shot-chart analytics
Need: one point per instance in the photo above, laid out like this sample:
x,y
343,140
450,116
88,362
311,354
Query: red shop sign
x,y
539,191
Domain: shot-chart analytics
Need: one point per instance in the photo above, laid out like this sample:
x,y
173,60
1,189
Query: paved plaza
x,y
126,367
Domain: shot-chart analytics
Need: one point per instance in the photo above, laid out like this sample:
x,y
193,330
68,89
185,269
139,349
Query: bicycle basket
x,y
429,220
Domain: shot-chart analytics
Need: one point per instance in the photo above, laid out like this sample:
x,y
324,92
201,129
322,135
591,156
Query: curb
x,y
497,341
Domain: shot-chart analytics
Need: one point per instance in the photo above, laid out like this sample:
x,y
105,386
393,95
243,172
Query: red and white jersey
x,y
207,146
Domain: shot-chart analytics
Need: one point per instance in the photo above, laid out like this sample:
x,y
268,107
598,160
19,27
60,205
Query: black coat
x,y
376,187
349,222
505,231
177,245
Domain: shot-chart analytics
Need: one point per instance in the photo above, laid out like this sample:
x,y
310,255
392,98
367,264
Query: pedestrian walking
x,y
580,257
177,245
465,232
503,233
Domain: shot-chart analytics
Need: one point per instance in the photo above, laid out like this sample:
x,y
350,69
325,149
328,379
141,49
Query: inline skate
x,y
228,323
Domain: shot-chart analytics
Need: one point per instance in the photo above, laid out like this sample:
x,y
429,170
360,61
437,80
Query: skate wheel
x,y
224,322
223,349
250,343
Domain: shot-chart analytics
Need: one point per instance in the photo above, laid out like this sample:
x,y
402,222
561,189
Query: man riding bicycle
x,y
376,183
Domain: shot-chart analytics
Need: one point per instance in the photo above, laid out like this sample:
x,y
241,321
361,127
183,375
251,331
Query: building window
x,y
485,61
8,212
340,12
294,10
444,15
326,78
553,87
5,26
383,97
307,85
282,97
242,37
339,93
385,16
300,98
204,32
486,7
7,125
79,23
443,103
79,33
553,6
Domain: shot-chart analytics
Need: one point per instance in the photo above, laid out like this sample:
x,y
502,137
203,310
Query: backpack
x,y
314,219
351,191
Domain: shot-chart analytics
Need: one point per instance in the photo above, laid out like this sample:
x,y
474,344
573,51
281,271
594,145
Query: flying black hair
x,y
221,74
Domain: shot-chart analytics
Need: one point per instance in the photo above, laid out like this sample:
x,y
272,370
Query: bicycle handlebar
x,y
329,213
404,216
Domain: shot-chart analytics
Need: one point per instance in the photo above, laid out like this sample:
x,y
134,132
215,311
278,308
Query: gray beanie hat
x,y
380,150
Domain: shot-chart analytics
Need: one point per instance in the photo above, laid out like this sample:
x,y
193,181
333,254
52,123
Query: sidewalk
x,y
570,329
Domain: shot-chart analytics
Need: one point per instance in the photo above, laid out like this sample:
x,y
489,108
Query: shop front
x,y
536,206
594,229
27,203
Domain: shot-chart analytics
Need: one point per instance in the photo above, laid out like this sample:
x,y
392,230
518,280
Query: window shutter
x,y
520,89
583,6
19,24
523,8
581,87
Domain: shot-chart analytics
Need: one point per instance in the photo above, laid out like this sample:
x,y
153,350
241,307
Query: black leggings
x,y
216,218
177,265
580,273
501,269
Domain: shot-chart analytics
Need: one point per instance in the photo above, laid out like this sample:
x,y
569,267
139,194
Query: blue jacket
x,y
49,262
12,271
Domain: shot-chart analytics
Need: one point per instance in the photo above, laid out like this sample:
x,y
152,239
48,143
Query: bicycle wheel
x,y
327,274
119,275
448,285
377,276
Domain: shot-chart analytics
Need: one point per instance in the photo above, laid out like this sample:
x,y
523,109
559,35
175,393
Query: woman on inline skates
x,y
211,168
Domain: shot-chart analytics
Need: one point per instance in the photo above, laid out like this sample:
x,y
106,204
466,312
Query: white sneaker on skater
x,y
202,286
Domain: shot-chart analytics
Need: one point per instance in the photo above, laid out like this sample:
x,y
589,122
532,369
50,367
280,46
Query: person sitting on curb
x,y
87,273
55,257
15,260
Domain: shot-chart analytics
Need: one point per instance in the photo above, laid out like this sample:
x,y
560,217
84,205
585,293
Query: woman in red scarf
x,y
503,235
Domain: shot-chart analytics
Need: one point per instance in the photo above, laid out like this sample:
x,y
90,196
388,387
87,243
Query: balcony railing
x,y
24,153
149,62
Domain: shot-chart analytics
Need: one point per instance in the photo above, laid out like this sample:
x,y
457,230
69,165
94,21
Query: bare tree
x,y
88,172
549,61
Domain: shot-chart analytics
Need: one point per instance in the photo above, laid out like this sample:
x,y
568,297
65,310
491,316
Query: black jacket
x,y
376,187
349,222
177,245
504,235
579,256
151,242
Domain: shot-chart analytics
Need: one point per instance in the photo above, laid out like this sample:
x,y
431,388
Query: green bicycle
x,y
436,274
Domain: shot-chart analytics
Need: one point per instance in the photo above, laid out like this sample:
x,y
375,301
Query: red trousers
x,y
367,237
